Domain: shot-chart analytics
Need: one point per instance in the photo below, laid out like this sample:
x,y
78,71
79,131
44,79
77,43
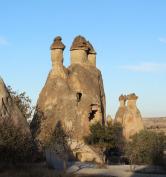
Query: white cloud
x,y
162,39
145,67
3,41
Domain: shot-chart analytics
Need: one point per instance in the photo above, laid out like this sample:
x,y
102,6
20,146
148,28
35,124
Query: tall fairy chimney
x,y
91,55
79,50
132,98
57,48
122,100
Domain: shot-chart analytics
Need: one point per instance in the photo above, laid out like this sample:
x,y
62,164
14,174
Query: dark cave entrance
x,y
78,96
94,109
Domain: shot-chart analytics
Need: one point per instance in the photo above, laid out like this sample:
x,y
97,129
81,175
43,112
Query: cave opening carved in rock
x,y
94,109
78,96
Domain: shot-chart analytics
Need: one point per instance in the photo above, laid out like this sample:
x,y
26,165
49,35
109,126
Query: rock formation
x,y
132,119
74,95
9,111
129,116
122,109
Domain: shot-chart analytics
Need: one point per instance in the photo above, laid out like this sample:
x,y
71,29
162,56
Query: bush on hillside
x,y
146,147
15,145
23,102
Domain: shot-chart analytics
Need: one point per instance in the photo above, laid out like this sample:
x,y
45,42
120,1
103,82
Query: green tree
x,y
23,102
146,147
15,144
106,138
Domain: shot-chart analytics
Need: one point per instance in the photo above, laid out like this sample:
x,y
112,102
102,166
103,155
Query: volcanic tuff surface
x,y
9,111
129,115
73,96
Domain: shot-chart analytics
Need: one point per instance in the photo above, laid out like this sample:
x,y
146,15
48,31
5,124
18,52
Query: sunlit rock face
x,y
9,111
74,95
133,122
121,110
129,115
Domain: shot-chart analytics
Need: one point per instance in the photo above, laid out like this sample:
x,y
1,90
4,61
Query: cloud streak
x,y
162,39
3,41
145,67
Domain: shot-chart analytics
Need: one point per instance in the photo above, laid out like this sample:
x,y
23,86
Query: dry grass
x,y
28,170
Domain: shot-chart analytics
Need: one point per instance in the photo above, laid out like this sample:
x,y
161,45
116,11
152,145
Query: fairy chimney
x,y
79,51
121,110
132,121
57,48
91,55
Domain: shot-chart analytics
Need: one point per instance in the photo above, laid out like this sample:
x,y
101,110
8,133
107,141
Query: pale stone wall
x,y
58,70
78,56
92,59
56,57
132,121
121,111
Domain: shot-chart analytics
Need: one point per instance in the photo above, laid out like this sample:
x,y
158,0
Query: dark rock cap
x,y
132,96
79,43
57,44
122,97
91,49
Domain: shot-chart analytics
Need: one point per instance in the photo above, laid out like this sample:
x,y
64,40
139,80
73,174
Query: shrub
x,y
146,147
15,145
23,102
105,137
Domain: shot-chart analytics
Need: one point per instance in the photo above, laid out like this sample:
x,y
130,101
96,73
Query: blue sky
x,y
128,35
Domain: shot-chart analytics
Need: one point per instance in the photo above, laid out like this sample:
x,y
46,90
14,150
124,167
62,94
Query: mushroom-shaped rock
x,y
79,50
91,54
57,47
79,43
76,102
57,44
133,122
121,110
132,96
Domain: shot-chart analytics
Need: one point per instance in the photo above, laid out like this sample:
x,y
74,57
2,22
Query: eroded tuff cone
x,y
58,70
91,49
91,55
79,43
9,110
77,102
133,122
57,44
121,110
132,96
79,51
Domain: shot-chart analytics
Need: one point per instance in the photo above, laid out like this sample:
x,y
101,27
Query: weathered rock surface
x,y
74,95
9,111
132,118
121,110
129,116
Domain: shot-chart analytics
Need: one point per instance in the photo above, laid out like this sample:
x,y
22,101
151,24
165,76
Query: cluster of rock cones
x,y
73,96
